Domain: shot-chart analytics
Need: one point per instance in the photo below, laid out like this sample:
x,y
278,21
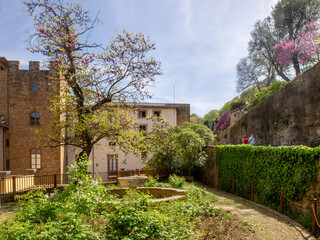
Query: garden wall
x,y
289,117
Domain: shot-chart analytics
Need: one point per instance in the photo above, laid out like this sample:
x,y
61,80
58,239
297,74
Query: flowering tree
x,y
306,47
291,17
223,123
94,82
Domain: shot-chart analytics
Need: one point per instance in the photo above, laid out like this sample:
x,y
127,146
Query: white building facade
x,y
105,158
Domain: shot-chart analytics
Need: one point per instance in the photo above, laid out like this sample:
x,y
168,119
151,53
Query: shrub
x,y
174,181
266,93
83,211
270,168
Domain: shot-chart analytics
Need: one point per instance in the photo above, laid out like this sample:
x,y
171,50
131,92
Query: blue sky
x,y
199,42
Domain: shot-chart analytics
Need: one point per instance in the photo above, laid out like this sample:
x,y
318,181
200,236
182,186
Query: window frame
x,y
35,118
142,115
35,158
34,86
145,126
156,115
112,162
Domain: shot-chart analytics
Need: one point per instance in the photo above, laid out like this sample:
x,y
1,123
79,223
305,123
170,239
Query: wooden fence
x,y
12,186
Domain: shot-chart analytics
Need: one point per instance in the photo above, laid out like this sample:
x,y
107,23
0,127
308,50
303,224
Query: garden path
x,y
266,223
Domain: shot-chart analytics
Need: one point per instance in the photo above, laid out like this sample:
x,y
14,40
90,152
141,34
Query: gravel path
x,y
266,223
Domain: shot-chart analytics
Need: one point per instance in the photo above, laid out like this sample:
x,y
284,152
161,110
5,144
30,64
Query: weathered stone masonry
x,y
290,117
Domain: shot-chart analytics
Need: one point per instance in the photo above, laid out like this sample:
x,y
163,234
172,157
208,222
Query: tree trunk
x,y
282,75
189,169
296,64
84,152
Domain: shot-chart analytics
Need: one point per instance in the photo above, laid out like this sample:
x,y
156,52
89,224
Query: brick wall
x,y
18,101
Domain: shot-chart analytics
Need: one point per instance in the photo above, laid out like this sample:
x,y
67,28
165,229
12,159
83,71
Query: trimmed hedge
x,y
293,168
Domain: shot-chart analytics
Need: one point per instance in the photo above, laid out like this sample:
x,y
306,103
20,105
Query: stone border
x,y
166,194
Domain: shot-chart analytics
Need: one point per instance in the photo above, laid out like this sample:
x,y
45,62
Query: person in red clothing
x,y
244,140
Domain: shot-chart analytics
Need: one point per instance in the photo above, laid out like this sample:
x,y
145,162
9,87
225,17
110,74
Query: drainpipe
x,y
93,161
4,150
4,147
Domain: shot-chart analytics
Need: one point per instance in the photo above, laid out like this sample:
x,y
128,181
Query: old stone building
x,y
24,103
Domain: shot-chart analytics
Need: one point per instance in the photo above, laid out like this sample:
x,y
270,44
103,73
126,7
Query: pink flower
x,y
73,167
80,181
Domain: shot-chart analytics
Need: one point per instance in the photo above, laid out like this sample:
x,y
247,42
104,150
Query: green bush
x,y
293,168
174,181
133,223
266,93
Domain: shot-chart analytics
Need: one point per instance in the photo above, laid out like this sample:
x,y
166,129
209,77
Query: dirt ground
x,y
258,222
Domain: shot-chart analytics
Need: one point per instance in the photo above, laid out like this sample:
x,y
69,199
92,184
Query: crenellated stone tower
x,y
24,101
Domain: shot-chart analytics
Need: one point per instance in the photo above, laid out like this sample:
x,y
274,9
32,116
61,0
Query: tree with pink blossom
x,y
306,47
94,81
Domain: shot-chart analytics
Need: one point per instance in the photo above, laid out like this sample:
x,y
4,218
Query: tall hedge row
x,y
293,168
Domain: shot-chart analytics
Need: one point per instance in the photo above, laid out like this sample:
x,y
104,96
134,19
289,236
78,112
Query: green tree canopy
x,y
181,147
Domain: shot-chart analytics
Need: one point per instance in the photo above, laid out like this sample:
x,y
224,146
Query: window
x,y
156,113
35,159
7,165
7,142
34,86
143,128
144,155
112,162
34,118
142,114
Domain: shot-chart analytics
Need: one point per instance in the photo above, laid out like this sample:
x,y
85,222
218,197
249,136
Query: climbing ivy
x,y
293,168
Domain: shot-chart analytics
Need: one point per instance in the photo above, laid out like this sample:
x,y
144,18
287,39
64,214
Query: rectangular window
x,y
156,113
142,114
144,155
7,165
143,128
7,142
34,86
35,118
35,159
112,162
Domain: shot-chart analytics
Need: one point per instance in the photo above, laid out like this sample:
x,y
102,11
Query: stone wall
x,y
289,117
17,102
208,174
183,113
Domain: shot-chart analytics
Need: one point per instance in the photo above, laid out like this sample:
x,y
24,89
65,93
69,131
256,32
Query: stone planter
x,y
159,194
132,181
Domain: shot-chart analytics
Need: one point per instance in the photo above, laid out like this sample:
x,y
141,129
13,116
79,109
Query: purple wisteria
x,y
224,123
